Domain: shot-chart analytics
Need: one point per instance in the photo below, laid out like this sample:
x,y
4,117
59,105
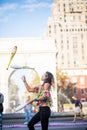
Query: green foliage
x,y
64,87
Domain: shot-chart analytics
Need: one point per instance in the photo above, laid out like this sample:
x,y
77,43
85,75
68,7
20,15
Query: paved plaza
x,y
58,121
64,125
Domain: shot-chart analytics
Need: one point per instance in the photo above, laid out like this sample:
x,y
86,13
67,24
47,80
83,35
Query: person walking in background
x,y
28,111
44,100
78,108
1,109
60,106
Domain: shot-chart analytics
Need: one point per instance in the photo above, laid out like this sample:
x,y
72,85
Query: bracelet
x,y
24,81
35,100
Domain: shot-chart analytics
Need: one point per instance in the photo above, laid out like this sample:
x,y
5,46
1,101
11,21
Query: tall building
x,y
68,26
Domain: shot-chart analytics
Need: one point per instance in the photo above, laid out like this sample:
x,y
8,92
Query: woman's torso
x,y
47,97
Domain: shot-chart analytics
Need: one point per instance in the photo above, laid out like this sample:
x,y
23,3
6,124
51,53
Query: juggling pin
x,y
21,107
12,55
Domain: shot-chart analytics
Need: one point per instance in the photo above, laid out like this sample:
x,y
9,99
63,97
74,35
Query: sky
x,y
24,18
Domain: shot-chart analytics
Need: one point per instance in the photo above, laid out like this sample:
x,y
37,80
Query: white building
x,y
68,27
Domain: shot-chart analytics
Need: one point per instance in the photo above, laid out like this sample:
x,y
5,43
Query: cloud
x,y
7,7
37,1
32,5
31,1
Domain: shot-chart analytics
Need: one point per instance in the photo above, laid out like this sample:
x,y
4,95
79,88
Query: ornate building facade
x,y
68,27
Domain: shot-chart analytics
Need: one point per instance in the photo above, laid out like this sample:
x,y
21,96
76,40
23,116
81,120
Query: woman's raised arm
x,y
28,87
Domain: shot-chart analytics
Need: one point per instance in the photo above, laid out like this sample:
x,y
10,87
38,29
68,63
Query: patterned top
x,y
45,94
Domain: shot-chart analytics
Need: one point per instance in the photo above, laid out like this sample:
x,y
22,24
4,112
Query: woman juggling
x,y
43,99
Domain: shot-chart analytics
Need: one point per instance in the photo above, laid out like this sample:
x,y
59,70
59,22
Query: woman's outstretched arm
x,y
28,87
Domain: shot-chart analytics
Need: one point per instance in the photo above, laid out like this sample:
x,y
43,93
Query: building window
x,y
61,44
86,21
49,31
82,91
81,36
55,41
55,29
49,26
86,16
74,63
75,91
62,57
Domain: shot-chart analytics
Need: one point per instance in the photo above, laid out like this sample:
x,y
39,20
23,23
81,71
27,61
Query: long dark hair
x,y
49,78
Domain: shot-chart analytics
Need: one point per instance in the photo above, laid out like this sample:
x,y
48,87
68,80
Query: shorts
x,y
77,109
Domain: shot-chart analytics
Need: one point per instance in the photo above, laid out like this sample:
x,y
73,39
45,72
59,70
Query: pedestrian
x,y
78,108
60,106
44,100
28,111
1,109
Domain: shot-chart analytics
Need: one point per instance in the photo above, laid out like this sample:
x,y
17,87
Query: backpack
x,y
1,98
1,107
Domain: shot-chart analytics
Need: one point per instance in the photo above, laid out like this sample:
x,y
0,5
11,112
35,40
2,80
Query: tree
x,y
64,86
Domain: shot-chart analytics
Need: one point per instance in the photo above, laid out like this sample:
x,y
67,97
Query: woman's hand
x,y
23,78
30,102
28,87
